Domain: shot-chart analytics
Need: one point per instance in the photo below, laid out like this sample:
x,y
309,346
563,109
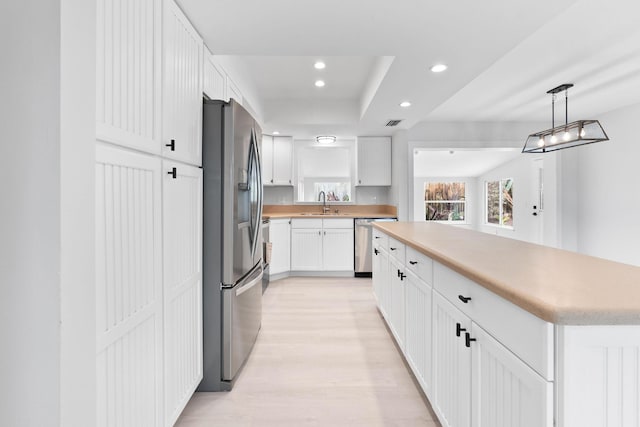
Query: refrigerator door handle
x,y
255,169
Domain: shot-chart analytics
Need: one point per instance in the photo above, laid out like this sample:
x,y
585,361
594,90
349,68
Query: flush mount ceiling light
x,y
580,132
275,132
319,65
319,83
405,104
325,139
438,68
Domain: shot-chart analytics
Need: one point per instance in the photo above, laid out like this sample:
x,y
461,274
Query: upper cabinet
x,y
182,103
233,92
128,65
373,161
215,79
277,160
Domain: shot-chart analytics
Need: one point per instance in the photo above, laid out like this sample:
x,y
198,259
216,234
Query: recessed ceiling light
x,y
405,104
320,83
438,68
275,132
319,65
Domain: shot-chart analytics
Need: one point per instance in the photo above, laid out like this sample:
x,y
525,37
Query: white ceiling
x,y
459,163
503,55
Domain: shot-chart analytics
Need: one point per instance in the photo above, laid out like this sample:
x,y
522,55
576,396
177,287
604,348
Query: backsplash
x,y
364,195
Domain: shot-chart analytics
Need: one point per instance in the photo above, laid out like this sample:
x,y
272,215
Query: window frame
x,y
500,223
463,202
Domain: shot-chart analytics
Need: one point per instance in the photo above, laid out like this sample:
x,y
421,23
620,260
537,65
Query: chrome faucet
x,y
325,208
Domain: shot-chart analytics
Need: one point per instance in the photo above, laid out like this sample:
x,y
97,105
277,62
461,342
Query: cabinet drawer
x,y
419,264
380,238
396,249
338,223
526,335
306,222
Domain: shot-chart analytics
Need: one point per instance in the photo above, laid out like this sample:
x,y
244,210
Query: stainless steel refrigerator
x,y
232,241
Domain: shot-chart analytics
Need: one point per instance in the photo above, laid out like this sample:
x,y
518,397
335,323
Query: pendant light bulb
x,y
541,142
566,136
582,133
554,139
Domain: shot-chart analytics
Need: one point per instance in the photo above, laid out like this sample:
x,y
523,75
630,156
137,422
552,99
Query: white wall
x,y
608,200
30,225
77,204
401,174
526,226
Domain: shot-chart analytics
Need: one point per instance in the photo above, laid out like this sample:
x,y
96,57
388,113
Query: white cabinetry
x,y
418,322
129,305
233,91
182,88
280,236
506,392
451,364
128,54
373,161
321,244
182,242
277,160
215,83
476,369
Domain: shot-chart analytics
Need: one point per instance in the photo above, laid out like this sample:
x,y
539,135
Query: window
x,y
327,169
499,196
444,201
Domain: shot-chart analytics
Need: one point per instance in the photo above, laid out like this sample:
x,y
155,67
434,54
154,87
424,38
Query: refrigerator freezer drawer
x,y
242,317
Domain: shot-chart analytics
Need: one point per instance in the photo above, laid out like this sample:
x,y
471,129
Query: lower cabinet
x,y
280,237
451,364
306,249
505,391
321,244
418,320
182,243
396,273
470,378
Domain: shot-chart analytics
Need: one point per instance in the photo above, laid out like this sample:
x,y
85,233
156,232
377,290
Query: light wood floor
x,y
323,358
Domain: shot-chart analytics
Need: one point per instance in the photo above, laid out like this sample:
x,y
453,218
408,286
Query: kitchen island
x,y
503,332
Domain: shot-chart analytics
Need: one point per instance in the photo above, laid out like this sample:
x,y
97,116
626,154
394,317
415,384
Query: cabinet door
x,y
233,92
182,94
337,249
129,305
418,329
182,242
373,161
214,79
280,236
128,73
306,249
282,160
451,365
381,280
267,160
506,392
396,272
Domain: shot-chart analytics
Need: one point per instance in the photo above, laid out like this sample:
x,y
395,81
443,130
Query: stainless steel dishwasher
x,y
362,245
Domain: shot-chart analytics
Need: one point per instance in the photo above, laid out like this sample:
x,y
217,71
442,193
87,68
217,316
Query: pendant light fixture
x,y
580,132
325,139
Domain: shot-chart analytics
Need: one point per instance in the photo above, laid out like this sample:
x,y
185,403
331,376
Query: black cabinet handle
x,y
402,276
172,145
468,339
399,273
376,237
393,249
173,173
375,251
413,262
464,299
459,329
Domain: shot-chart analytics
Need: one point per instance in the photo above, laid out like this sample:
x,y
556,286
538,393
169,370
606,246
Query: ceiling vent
x,y
392,123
